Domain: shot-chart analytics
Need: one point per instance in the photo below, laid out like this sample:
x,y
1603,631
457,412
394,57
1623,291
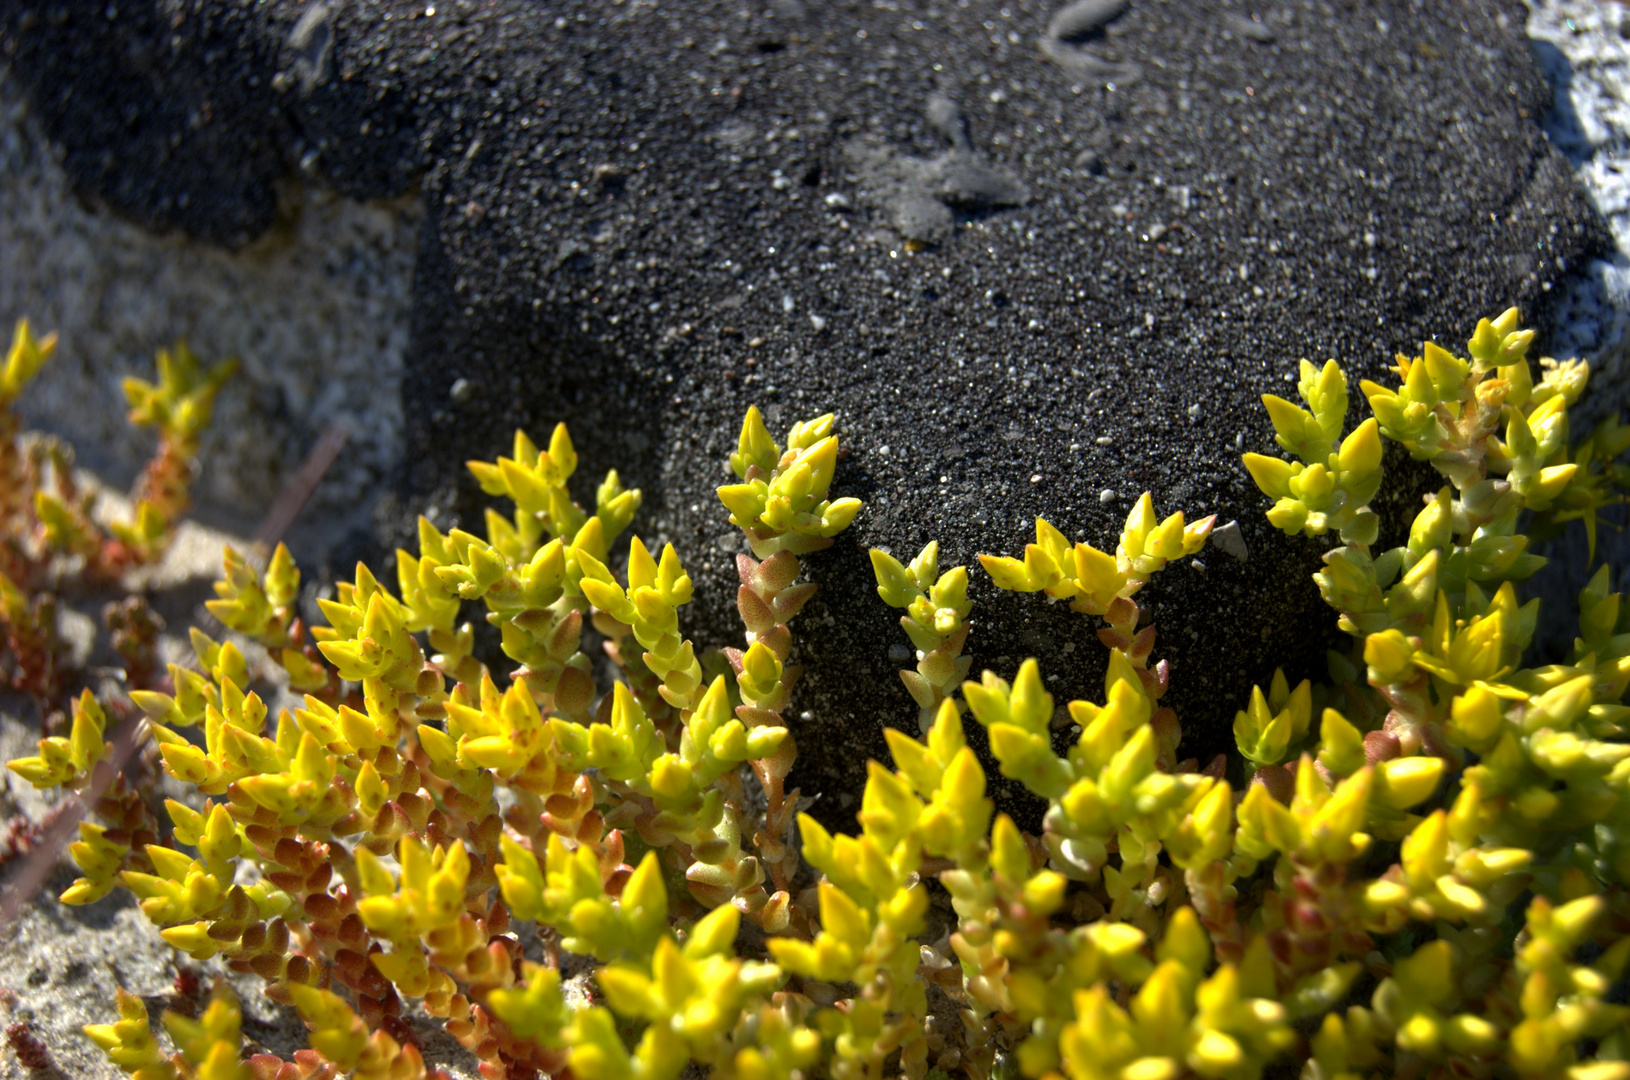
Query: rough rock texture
x,y
1584,49
611,241
315,309
1038,261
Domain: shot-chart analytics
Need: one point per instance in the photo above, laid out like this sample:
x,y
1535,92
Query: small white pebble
x,y
1107,495
1227,539
817,322
1194,411
1104,440
1035,478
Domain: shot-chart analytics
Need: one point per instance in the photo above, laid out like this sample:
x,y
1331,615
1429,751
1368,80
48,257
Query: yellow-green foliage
x,y
49,536
179,406
936,620
1416,868
27,355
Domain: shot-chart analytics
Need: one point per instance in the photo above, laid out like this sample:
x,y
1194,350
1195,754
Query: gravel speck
x,y
1227,539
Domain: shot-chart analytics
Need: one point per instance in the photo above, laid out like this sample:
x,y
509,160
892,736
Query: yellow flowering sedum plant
x,y
49,537
1416,868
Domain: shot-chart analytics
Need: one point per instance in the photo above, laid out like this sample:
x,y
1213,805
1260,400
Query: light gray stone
x,y
316,311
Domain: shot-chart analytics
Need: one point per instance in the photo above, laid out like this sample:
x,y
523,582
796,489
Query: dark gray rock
x,y
1026,280
162,112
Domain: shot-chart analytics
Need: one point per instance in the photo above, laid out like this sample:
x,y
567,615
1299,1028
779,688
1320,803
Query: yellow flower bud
x,y
1390,656
1405,782
1360,454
